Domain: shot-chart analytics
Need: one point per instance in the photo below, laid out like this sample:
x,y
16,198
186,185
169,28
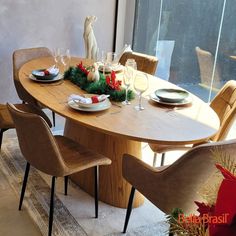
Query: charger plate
x,y
100,107
185,101
57,78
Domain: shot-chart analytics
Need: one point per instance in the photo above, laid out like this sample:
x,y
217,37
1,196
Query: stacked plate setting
x,y
171,96
91,107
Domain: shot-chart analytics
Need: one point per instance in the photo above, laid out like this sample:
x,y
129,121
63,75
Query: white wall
x,y
50,23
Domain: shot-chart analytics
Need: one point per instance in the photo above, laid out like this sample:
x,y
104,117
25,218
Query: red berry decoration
x,y
46,72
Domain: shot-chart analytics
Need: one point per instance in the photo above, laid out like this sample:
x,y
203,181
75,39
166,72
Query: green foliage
x,y
79,77
224,159
179,228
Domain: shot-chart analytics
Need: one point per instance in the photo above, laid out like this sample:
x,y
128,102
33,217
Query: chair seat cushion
x,y
160,148
78,157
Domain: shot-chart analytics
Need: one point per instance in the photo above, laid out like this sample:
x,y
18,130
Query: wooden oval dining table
x,y
120,129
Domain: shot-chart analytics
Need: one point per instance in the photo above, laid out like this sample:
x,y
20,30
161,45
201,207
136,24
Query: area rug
x,y
69,220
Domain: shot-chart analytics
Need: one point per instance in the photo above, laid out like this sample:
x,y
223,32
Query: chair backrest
x,y
224,104
5,118
20,57
37,143
145,63
206,62
177,185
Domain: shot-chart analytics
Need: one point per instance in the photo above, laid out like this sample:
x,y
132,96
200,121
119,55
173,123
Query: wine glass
x,y
140,85
65,59
129,73
56,52
103,61
111,59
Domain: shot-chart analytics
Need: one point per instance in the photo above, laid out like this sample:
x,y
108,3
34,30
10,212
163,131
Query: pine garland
x,y
78,76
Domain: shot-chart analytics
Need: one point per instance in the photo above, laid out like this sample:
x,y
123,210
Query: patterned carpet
x,y
68,219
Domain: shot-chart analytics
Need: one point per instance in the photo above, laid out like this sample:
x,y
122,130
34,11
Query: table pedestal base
x,y
113,188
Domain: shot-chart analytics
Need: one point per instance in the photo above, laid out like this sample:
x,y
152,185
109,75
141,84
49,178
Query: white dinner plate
x,y
57,78
186,101
91,104
99,107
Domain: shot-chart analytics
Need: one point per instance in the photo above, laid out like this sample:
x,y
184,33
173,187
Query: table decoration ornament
x,y
108,84
217,216
90,41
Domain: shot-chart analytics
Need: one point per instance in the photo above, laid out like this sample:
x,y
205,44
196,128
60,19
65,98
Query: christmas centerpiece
x,y
217,216
92,81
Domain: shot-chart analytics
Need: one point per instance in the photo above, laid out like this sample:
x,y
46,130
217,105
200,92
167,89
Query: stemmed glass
x,y
140,85
111,60
103,61
56,52
65,59
129,73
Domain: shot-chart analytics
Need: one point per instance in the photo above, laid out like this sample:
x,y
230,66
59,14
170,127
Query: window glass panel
x,y
186,41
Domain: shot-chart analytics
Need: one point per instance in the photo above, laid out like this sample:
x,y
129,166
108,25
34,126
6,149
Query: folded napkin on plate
x,y
93,99
48,71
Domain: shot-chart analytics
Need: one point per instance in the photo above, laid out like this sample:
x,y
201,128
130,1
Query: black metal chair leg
x,y
24,185
1,134
129,208
154,159
66,183
96,189
51,206
53,119
162,159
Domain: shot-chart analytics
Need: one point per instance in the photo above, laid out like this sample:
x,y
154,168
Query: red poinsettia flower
x,y
82,68
224,211
112,82
204,208
227,174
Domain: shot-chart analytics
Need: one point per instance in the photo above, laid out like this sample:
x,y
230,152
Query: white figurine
x,y
93,74
91,48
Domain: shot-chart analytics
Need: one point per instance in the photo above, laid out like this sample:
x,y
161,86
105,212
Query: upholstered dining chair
x,y
174,186
145,63
57,156
6,121
20,57
206,64
224,104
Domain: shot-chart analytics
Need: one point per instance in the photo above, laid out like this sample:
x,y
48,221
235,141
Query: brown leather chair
x,y
20,57
224,104
145,63
57,156
6,121
206,64
174,186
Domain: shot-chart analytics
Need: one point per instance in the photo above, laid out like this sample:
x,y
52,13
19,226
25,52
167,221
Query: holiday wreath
x,y
104,85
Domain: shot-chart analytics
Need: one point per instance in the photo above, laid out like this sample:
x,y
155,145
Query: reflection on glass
x,y
171,30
